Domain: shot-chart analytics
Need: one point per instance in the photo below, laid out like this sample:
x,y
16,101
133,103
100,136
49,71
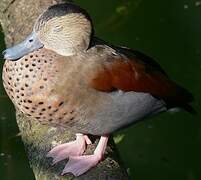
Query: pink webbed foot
x,y
78,165
74,148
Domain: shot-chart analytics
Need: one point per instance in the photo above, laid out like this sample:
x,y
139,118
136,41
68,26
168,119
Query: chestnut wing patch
x,y
131,75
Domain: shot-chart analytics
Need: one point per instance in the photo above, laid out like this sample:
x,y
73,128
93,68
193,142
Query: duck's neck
x,y
66,52
70,49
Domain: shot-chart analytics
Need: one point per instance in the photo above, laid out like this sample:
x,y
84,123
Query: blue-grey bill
x,y
30,44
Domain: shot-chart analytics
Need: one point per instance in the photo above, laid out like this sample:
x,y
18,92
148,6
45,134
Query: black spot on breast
x,y
29,101
61,103
55,110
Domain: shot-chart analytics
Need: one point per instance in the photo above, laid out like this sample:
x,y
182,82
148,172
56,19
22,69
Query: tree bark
x,y
17,18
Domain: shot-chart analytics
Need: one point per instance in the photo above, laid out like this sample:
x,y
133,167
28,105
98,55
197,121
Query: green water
x,y
167,147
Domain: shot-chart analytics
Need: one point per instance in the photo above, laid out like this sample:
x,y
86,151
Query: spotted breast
x,y
35,84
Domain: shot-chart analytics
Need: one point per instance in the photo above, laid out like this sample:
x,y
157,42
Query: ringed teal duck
x,y
63,75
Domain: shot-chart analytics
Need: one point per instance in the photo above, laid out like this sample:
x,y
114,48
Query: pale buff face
x,y
67,34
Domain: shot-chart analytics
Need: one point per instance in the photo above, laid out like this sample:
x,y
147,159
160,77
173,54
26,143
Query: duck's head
x,y
63,28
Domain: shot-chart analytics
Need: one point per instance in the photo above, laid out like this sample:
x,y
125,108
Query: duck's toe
x,y
74,148
78,165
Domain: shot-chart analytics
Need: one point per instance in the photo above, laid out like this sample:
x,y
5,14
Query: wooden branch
x,y
17,18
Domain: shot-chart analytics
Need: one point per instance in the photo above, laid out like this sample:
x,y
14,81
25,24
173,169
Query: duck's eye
x,y
30,40
57,28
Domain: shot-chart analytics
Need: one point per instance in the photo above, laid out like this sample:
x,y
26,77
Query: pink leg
x,y
78,165
74,148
